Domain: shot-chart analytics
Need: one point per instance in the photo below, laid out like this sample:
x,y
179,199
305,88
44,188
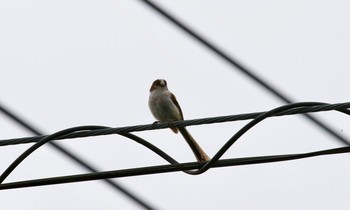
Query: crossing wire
x,y
118,187
216,50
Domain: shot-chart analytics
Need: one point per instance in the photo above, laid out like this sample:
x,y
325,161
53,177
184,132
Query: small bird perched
x,y
165,108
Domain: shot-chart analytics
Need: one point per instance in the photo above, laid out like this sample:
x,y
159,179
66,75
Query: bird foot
x,y
155,123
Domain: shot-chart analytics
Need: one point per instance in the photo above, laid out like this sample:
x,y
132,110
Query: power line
x,y
168,168
302,108
279,111
76,159
238,66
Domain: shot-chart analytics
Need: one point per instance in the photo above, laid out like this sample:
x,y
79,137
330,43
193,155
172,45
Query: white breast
x,y
162,107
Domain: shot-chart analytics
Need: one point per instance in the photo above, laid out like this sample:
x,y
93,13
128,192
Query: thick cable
x,y
230,118
167,169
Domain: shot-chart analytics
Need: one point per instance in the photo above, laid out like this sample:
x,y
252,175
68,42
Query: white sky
x,y
69,63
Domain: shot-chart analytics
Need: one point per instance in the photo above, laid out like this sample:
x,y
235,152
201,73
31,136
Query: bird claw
x,y
155,123
169,124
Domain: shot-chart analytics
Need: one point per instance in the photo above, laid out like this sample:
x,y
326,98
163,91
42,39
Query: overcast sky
x,y
69,63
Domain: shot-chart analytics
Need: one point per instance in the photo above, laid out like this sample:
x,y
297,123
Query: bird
x,y
165,108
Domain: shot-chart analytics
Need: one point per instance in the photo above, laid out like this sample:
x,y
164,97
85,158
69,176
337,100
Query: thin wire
x,y
78,160
230,118
206,166
238,66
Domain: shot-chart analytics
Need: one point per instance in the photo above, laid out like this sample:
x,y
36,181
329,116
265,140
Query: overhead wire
x,y
161,169
209,120
243,69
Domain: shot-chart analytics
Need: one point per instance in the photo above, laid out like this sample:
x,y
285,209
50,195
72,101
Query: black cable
x,y
206,166
167,169
78,160
122,130
238,66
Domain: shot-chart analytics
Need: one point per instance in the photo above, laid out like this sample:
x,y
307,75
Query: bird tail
x,y
197,150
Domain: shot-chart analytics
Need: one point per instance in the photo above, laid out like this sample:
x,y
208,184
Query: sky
x,y
71,63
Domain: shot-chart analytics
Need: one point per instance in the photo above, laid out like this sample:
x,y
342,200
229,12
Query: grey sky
x,y
70,63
